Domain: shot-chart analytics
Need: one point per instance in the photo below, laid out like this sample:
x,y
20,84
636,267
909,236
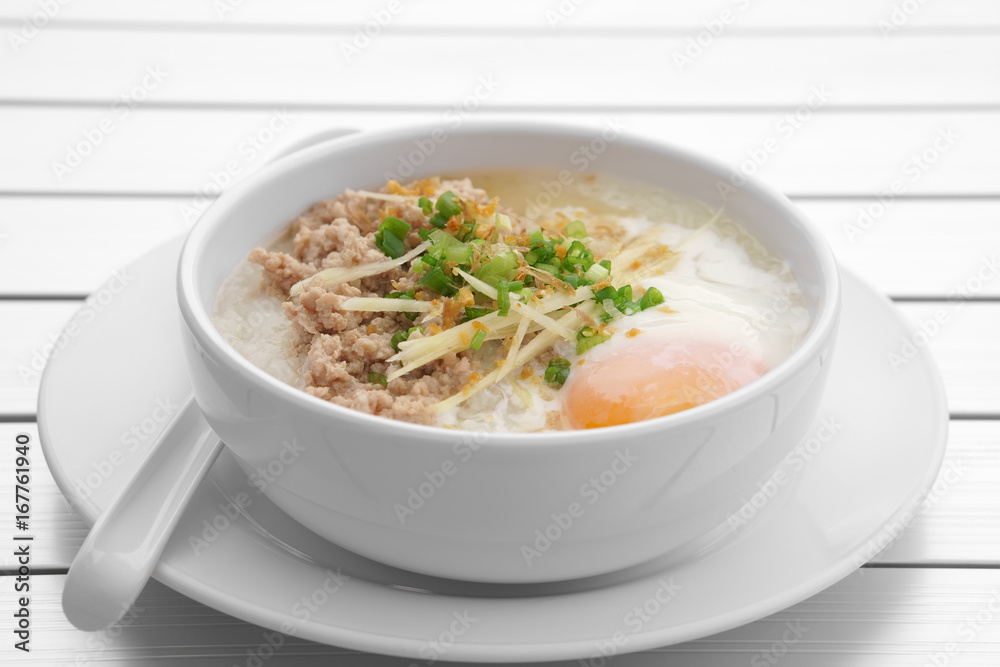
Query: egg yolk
x,y
653,379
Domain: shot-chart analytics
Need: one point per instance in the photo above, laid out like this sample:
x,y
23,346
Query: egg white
x,y
719,295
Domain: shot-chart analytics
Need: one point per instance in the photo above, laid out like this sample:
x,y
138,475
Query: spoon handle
x,y
125,543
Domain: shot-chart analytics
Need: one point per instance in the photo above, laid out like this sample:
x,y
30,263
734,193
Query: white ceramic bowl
x,y
508,507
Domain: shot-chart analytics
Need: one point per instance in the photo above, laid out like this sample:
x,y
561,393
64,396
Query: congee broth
x,y
481,301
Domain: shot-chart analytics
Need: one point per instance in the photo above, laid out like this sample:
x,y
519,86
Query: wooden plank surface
x,y
959,522
159,151
69,246
965,347
915,248
29,330
632,15
638,70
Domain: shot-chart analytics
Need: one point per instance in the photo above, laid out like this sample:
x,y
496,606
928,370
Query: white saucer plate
x,y
857,479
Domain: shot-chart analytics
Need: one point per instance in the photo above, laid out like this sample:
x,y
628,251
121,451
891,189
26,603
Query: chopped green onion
x,y
377,378
390,244
438,220
401,335
473,312
606,263
652,297
542,253
503,298
395,226
448,247
577,249
617,302
515,285
571,262
584,343
576,229
424,233
610,309
443,239
629,308
436,280
458,254
393,246
596,272
605,293
447,204
398,338
467,231
501,267
557,371
550,268
477,339
425,205
391,237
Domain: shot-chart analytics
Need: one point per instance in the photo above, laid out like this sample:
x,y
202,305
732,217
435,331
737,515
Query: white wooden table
x,y
114,117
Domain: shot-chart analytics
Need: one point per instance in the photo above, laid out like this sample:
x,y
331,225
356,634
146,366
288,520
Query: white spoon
x,y
124,545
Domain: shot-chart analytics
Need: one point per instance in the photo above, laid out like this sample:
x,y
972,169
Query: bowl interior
x,y
253,212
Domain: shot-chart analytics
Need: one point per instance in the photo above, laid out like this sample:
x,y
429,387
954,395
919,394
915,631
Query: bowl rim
x,y
197,319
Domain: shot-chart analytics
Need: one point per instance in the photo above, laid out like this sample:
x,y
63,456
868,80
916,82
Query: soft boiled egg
x,y
713,335
653,378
